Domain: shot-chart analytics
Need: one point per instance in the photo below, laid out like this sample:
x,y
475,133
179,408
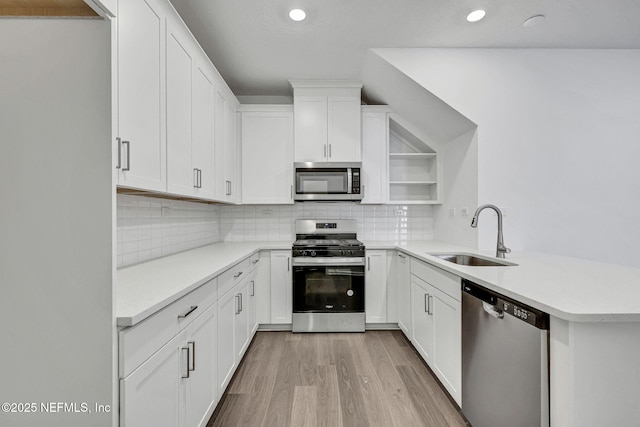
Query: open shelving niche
x,y
413,168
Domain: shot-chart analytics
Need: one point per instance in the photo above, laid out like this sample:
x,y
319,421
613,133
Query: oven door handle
x,y
328,262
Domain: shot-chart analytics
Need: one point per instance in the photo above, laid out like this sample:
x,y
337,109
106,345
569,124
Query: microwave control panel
x,y
355,183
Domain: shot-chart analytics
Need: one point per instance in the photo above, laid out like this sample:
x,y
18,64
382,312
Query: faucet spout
x,y
501,249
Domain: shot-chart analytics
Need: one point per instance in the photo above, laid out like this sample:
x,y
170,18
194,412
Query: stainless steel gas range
x,y
328,277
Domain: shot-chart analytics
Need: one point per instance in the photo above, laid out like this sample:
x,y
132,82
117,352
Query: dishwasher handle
x,y
492,310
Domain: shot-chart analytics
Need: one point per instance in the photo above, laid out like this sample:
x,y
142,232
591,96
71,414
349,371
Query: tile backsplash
x,y
150,227
375,222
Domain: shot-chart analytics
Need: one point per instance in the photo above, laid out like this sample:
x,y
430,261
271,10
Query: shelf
x,y
410,156
412,182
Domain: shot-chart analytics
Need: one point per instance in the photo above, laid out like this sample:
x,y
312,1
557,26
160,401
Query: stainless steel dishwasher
x,y
505,360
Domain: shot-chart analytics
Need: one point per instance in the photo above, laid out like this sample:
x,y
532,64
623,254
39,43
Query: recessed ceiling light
x,y
476,15
534,20
297,14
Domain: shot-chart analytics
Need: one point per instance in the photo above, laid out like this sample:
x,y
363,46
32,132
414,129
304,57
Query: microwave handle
x,y
349,180
291,189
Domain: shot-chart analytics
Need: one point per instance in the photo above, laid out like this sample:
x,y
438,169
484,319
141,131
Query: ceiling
x,y
257,48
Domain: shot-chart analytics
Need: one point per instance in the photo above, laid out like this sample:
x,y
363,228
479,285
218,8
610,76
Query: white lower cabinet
x,y
403,272
241,326
281,287
200,386
436,317
176,385
150,395
227,307
375,294
252,303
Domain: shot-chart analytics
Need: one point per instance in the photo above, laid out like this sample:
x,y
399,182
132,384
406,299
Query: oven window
x,y
328,289
323,181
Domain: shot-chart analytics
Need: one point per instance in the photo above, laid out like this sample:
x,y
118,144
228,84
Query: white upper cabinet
x,y
203,131
141,94
182,178
267,155
326,121
226,185
375,133
176,116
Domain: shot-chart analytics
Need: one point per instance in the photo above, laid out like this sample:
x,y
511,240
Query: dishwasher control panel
x,y
508,306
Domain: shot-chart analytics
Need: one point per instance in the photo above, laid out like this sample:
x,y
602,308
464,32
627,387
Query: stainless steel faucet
x,y
501,249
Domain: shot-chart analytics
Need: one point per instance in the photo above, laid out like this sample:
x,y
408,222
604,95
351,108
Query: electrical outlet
x,y
266,212
464,211
400,212
452,212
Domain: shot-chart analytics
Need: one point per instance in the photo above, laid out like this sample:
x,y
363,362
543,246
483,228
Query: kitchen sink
x,y
472,260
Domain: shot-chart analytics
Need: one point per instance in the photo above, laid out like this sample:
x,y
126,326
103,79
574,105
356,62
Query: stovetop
x,y
315,242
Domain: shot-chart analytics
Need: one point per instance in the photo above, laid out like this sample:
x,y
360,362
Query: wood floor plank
x,y
328,394
351,400
304,411
279,410
422,400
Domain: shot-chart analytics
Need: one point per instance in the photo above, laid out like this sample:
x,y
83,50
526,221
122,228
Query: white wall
x,y
459,161
558,142
56,219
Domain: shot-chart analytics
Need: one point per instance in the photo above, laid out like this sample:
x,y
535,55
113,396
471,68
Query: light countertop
x,y
143,289
568,288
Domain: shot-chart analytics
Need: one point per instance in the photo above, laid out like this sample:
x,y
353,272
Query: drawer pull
x,y
237,275
402,256
191,310
255,261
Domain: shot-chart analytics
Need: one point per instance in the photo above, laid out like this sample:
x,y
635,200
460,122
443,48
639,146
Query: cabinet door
x,y
252,303
230,159
281,287
310,128
404,294
227,306
422,318
141,94
150,395
446,359
242,319
225,146
374,157
376,289
181,178
267,157
220,108
344,129
203,141
200,387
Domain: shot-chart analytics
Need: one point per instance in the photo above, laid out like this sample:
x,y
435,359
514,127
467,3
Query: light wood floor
x,y
298,380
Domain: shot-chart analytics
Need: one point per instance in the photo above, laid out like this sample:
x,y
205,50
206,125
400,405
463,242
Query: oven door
x,y
325,288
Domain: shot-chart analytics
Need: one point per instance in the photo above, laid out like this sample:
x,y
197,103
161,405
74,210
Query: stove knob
x,y
304,253
313,253
341,252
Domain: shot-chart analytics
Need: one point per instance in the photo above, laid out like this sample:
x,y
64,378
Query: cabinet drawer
x,y
139,342
233,276
443,280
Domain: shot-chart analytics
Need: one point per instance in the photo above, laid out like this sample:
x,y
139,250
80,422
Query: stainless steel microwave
x,y
327,181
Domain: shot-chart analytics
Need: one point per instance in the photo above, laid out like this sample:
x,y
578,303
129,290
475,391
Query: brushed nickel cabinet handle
x,y
195,178
128,155
192,350
191,310
235,276
119,165
253,288
185,361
